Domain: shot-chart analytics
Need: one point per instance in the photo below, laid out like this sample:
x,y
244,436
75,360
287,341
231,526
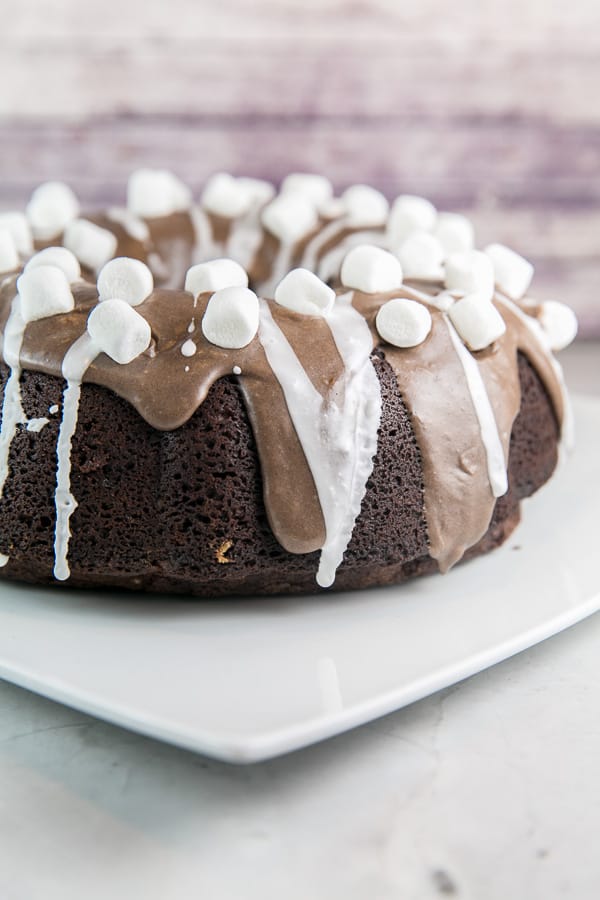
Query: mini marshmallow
x,y
51,207
127,279
290,217
93,246
223,195
152,193
559,322
17,224
231,318
421,256
371,269
315,188
59,257
454,232
470,272
118,330
477,321
409,214
44,291
364,206
403,322
305,293
259,190
512,273
9,257
215,275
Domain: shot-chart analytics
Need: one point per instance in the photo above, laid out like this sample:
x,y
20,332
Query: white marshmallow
x,y
560,324
409,214
126,279
371,269
152,193
59,257
224,196
17,224
305,293
403,322
421,256
51,207
215,275
44,291
470,272
93,246
9,257
364,206
231,318
290,217
454,232
118,330
315,188
259,190
477,321
512,273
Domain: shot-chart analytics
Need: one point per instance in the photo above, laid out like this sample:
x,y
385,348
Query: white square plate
x,y
249,679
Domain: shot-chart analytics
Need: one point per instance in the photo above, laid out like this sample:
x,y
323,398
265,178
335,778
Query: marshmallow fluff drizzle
x,y
303,361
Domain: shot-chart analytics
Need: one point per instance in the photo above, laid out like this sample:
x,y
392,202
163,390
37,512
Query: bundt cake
x,y
265,392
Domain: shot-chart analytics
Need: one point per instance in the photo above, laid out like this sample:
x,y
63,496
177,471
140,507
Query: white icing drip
x,y
496,464
442,301
131,224
281,266
245,237
37,424
78,358
236,370
567,442
12,409
188,348
311,251
156,265
3,560
53,409
338,434
192,326
204,247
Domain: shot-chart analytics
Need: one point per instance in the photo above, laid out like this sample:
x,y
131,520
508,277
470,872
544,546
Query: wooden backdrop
x,y
492,107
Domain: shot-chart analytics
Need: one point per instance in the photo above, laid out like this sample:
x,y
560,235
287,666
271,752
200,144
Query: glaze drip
x,y
496,462
77,360
12,409
338,433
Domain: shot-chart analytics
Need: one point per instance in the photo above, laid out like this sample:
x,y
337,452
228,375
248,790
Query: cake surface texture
x,y
265,392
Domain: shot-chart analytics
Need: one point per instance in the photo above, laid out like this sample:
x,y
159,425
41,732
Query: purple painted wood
x,y
494,113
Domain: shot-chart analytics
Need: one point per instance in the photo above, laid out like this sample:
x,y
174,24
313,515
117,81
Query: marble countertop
x,y
487,790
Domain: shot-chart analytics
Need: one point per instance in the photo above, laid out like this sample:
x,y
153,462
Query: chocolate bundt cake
x,y
378,415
